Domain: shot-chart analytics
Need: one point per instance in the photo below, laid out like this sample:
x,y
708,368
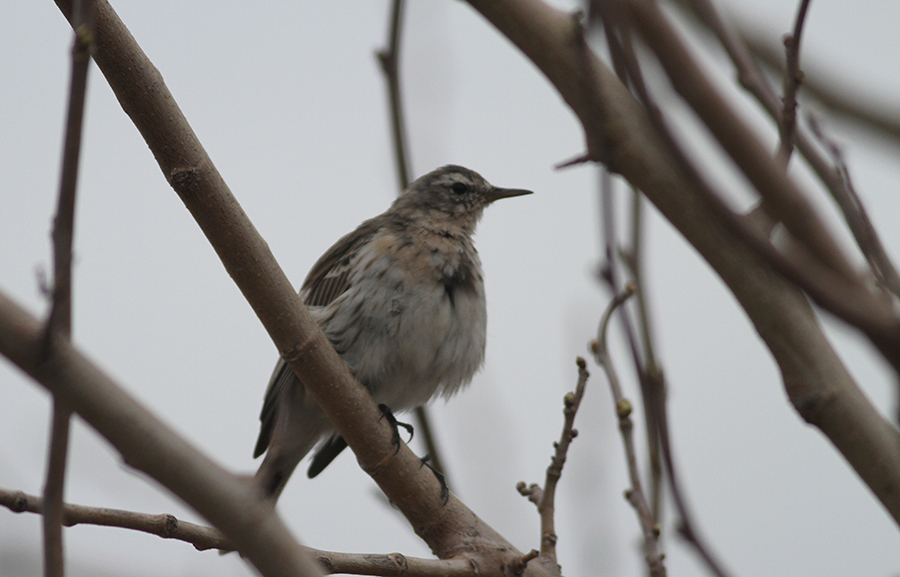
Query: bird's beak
x,y
498,193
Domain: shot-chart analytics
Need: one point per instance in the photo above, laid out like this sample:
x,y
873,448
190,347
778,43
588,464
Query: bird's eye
x,y
459,188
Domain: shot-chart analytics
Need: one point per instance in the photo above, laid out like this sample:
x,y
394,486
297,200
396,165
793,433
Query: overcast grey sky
x,y
288,100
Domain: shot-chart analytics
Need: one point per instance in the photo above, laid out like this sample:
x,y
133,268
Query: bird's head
x,y
453,194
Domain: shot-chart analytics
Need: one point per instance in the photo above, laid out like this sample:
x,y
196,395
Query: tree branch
x,y
792,79
635,495
618,131
758,85
545,498
206,538
59,321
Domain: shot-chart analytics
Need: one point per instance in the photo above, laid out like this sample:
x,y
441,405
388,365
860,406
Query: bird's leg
x,y
387,414
445,490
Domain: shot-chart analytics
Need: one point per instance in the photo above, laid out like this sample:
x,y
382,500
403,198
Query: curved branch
x,y
206,538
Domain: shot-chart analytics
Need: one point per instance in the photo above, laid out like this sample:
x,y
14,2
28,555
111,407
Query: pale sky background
x,y
290,104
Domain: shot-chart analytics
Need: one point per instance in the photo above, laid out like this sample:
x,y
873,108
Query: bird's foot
x,y
387,414
445,490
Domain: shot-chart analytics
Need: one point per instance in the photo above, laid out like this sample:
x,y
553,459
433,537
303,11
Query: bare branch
x,y
229,502
792,79
545,498
554,471
624,60
847,298
858,217
165,526
635,495
54,560
206,538
829,92
688,528
59,321
389,58
787,203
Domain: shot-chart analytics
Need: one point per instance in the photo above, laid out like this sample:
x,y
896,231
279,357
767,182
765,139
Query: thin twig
x,y
546,508
545,498
389,58
885,273
687,527
207,538
635,494
59,321
758,85
827,86
54,561
792,80
619,56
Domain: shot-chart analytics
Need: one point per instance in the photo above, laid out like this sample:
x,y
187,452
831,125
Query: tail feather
x,y
277,467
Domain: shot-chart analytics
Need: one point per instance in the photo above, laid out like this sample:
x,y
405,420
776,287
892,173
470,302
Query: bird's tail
x,y
278,465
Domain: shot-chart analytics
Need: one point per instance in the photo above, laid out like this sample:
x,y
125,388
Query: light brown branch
x,y
165,526
546,505
206,538
545,498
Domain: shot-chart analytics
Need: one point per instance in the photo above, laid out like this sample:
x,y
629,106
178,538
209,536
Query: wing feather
x,y
328,279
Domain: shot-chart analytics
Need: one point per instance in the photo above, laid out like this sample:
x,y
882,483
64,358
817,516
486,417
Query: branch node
x,y
623,408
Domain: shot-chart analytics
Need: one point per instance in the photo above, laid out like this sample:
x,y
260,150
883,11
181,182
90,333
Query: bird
x,y
401,299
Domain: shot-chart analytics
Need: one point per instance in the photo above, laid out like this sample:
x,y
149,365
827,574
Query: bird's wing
x,y
328,279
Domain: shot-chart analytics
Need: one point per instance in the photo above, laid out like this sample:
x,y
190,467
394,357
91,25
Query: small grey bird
x,y
401,298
